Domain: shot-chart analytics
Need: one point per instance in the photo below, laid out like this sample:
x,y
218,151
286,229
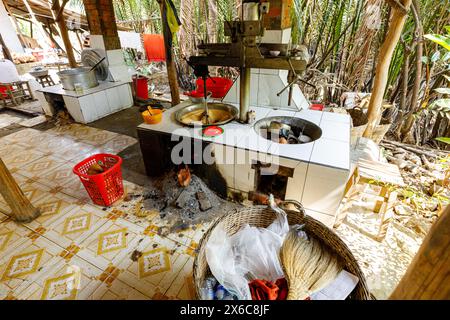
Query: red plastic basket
x,y
106,187
218,86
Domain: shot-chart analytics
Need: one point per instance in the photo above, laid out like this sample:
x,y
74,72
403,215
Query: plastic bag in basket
x,y
251,253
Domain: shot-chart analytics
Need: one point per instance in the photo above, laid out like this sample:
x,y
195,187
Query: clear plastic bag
x,y
251,253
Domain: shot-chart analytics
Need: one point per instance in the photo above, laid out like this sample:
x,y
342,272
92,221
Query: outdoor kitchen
x,y
307,151
241,150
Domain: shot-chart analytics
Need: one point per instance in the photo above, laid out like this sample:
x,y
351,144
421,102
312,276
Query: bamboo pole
x,y
396,24
170,63
58,16
428,275
22,209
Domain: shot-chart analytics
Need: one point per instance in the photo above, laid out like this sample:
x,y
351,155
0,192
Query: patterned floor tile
x,y
75,188
30,261
111,243
73,131
153,265
41,167
191,236
117,290
33,190
40,140
75,151
22,135
12,235
119,143
53,206
183,287
74,280
54,143
73,228
7,120
10,148
15,162
57,177
99,137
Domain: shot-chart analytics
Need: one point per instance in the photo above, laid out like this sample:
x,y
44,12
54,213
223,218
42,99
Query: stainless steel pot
x,y
84,76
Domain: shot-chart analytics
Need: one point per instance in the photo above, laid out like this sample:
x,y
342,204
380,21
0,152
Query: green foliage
x,y
443,139
441,40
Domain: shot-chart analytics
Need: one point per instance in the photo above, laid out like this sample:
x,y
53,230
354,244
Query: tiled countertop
x,y
103,85
332,149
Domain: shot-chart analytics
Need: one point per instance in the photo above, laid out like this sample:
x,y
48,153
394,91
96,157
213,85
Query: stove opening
x,y
288,130
269,181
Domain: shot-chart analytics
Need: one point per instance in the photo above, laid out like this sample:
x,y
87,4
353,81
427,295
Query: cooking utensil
x,y
89,57
96,65
182,115
84,76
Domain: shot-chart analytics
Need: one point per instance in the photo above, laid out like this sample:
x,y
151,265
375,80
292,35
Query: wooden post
x,y
37,23
399,14
170,63
57,12
22,209
16,24
5,49
428,275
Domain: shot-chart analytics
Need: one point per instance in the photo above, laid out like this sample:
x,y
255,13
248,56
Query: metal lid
x,y
89,57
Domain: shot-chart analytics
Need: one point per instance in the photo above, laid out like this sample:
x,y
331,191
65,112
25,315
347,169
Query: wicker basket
x,y
262,216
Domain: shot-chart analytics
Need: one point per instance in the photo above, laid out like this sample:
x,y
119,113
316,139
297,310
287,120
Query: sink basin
x,y
301,130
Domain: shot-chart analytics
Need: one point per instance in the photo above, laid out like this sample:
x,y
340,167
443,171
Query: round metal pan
x,y
233,111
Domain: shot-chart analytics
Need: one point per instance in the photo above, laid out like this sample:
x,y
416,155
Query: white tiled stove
x,y
321,168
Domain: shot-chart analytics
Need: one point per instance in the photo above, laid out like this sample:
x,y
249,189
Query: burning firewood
x,y
184,176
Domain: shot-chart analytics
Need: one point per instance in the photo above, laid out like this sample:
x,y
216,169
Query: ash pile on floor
x,y
179,207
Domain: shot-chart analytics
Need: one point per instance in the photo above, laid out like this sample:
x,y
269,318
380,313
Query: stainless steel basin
x,y
226,113
83,76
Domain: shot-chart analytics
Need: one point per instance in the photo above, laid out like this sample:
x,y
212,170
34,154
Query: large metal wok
x,y
219,113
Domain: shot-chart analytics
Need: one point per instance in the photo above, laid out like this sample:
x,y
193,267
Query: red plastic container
x,y
316,106
140,86
106,187
217,85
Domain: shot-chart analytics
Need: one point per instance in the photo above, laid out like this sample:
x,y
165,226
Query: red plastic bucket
x,y
217,85
141,87
106,187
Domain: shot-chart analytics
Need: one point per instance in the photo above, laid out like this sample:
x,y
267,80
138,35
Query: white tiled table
x,y
95,103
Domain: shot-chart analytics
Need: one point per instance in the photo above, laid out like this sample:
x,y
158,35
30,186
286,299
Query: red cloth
x,y
154,47
266,290
282,285
4,90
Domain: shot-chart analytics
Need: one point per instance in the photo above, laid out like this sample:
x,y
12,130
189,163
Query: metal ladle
x,y
206,100
96,65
